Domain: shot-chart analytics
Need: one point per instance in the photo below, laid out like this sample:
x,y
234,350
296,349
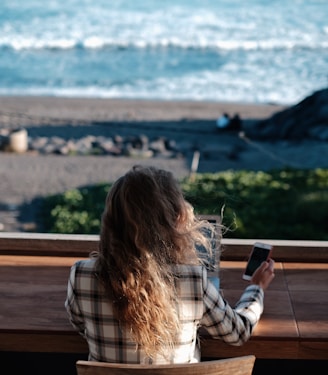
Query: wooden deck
x,y
34,271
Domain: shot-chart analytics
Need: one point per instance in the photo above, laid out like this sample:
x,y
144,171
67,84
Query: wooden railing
x,y
34,270
72,245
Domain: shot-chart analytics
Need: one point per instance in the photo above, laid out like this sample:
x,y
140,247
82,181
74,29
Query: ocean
x,y
252,51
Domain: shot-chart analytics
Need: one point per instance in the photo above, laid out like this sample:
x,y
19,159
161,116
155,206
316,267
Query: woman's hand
x,y
264,274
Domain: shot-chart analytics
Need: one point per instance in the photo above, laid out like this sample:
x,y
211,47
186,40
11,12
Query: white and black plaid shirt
x,y
200,305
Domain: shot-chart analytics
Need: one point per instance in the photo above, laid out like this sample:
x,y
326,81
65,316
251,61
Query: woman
x,y
142,297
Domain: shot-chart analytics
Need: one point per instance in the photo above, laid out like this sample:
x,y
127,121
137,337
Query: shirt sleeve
x,y
71,304
232,325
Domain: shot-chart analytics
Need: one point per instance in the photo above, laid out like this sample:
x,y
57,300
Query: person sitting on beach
x,y
226,123
144,294
223,121
235,123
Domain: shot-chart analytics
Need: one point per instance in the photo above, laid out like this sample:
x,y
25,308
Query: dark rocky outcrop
x,y
307,119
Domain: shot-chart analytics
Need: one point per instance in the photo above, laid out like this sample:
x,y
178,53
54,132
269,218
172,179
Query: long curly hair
x,y
147,226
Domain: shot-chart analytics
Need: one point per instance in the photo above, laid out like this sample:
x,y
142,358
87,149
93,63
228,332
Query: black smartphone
x,y
260,253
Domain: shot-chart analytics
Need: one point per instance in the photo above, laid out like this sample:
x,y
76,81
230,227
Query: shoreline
x,y
102,109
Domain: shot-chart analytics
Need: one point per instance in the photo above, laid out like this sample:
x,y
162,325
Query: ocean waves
x,y
95,42
224,25
262,51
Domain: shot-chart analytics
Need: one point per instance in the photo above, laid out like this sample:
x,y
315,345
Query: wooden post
x,y
194,164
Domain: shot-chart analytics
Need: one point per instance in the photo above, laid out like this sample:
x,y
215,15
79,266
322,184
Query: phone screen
x,y
258,256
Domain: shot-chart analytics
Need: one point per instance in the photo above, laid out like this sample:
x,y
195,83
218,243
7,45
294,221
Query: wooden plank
x,y
36,261
313,349
307,285
311,313
47,244
284,251
237,366
42,342
261,348
211,349
306,276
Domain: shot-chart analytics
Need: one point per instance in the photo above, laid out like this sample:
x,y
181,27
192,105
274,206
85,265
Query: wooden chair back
x,y
230,366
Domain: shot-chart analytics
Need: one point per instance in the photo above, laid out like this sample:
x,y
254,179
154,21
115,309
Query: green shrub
x,y
77,211
280,204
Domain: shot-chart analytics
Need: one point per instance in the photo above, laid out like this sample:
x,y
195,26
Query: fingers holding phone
x,y
260,253
264,274
260,268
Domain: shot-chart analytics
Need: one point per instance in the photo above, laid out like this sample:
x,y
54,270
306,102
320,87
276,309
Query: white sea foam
x,y
188,49
19,43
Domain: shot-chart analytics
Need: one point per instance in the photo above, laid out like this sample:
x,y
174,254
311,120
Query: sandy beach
x,y
86,109
29,176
